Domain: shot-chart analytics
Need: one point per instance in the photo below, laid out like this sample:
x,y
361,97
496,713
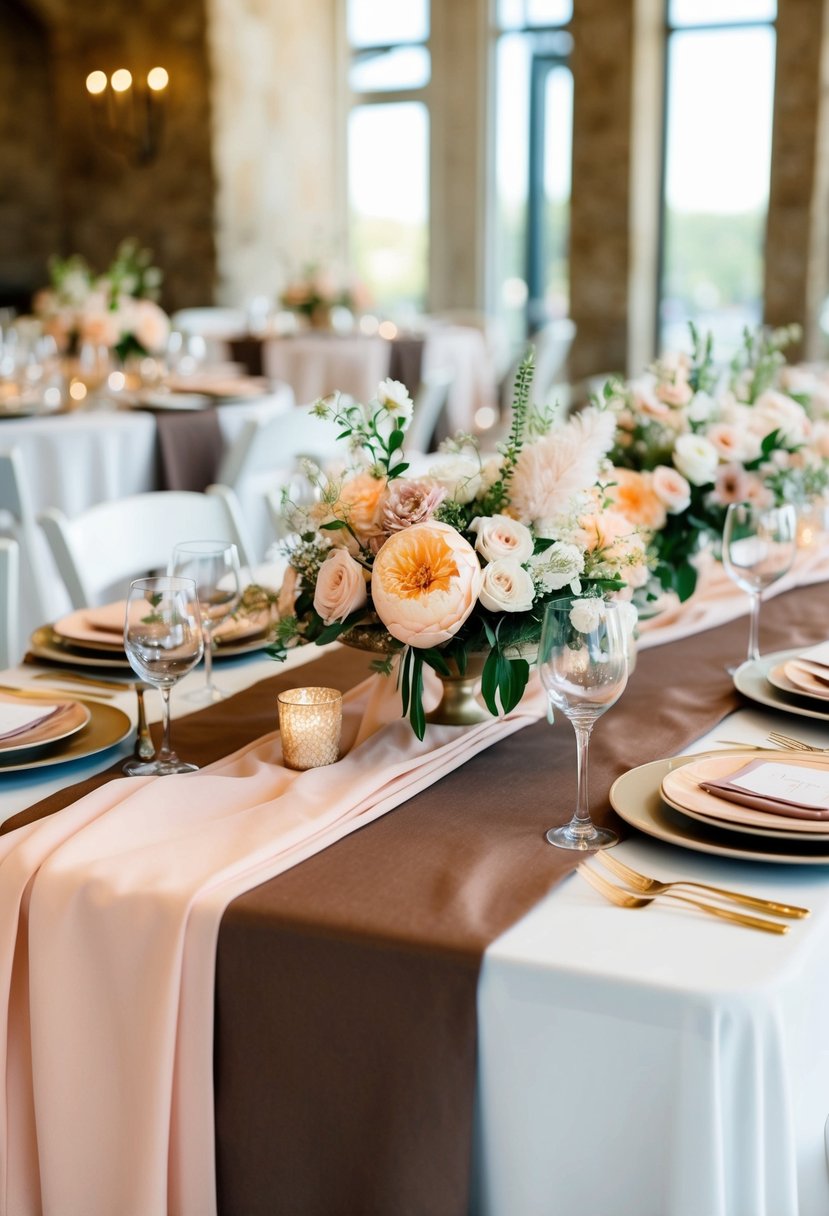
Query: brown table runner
x,y
190,448
345,989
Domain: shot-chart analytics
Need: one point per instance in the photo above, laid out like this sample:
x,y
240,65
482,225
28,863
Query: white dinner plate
x,y
752,680
636,798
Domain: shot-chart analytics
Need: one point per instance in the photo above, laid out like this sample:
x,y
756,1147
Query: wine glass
x,y
758,548
163,640
214,567
583,664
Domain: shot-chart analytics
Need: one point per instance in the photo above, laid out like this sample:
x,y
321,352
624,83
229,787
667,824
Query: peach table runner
x,y
109,913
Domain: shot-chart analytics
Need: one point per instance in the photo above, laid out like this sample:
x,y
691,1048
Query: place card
x,y
775,786
310,723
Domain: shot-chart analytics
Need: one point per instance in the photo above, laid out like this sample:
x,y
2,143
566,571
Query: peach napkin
x,y
109,915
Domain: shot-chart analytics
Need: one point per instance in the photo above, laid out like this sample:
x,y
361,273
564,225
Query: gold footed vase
x,y
460,703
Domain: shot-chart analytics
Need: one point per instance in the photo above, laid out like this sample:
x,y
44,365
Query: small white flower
x,y
585,615
506,587
394,397
701,407
557,567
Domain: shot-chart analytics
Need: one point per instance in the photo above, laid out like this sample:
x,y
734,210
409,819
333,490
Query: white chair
x,y
16,499
551,345
266,456
99,551
429,403
9,598
211,322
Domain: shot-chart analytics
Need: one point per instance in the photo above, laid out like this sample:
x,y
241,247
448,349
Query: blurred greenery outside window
x,y
533,158
719,91
388,152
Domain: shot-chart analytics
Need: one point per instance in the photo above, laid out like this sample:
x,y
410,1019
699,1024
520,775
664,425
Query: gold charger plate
x,y
73,717
752,680
106,727
46,644
636,798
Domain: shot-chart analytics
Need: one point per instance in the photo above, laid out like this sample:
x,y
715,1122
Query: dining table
x,y
76,458
433,1012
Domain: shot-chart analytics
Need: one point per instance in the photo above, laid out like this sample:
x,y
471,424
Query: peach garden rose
x,y
425,583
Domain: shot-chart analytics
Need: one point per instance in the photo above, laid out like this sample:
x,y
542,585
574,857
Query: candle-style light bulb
x,y
96,83
121,80
158,79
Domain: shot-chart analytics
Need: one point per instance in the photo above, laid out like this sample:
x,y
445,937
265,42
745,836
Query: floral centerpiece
x,y
460,561
318,290
690,439
116,310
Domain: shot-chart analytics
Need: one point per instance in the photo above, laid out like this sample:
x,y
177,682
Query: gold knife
x,y
53,694
77,678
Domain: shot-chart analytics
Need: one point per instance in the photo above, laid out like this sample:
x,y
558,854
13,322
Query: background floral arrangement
x,y
690,439
116,309
318,290
462,560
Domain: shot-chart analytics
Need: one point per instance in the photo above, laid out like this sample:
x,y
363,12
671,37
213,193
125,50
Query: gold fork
x,y
625,899
792,744
652,886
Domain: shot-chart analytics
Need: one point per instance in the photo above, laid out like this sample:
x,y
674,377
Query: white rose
x,y
500,536
696,459
700,408
461,477
341,587
585,615
506,587
671,488
394,396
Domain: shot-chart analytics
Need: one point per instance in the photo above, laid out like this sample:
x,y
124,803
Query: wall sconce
x,y
129,115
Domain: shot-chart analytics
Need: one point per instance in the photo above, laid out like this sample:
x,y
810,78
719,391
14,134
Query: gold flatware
x,y
625,899
144,746
53,694
652,886
74,677
792,744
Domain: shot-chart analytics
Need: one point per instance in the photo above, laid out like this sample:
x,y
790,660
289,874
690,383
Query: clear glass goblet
x,y
583,664
214,567
758,547
163,640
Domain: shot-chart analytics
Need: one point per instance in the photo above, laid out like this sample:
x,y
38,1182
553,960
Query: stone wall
x,y
278,132
29,205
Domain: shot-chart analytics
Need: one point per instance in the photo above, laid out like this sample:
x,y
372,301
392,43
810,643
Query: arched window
x,y
718,126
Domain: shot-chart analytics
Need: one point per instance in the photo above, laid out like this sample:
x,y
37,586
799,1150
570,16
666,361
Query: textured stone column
x,y
797,240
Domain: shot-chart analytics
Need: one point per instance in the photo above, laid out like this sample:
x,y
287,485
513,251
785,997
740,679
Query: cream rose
x,y
425,583
696,459
500,536
341,587
672,488
506,587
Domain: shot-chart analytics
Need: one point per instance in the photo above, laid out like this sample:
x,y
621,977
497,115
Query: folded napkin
x,y
109,915
799,790
104,626
18,719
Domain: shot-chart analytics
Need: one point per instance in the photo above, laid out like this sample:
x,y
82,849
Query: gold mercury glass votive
x,y
310,721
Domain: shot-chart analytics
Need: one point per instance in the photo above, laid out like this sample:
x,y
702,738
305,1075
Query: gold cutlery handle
x,y
750,901
739,918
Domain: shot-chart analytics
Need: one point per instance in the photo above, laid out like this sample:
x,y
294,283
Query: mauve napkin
x,y
799,790
17,719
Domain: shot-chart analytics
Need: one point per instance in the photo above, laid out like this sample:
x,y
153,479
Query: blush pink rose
x,y
341,587
425,583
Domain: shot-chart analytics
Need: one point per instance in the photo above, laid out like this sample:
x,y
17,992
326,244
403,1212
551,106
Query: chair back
x,y
267,454
15,498
551,345
9,599
429,403
100,550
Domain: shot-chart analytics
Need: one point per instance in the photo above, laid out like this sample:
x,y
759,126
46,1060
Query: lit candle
x,y
310,721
